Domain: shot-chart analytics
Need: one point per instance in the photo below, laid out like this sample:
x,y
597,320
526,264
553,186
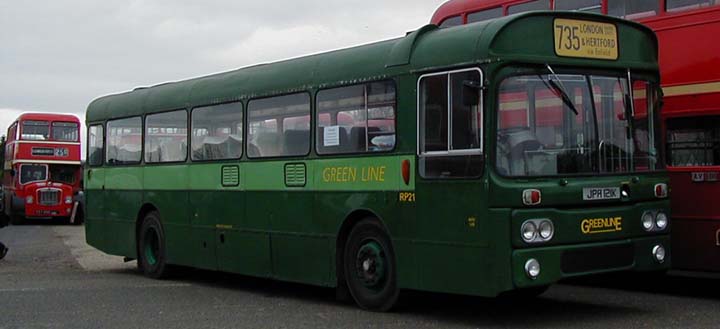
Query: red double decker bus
x,y
42,168
687,31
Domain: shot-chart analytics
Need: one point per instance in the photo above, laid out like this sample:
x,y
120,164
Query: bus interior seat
x,y
268,143
341,148
358,139
297,142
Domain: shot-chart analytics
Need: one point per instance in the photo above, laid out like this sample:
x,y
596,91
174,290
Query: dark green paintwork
x,y
271,218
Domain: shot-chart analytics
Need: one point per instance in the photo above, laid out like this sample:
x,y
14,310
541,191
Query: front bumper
x,y
558,262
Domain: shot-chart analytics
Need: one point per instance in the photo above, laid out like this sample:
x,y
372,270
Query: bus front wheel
x,y
151,247
369,267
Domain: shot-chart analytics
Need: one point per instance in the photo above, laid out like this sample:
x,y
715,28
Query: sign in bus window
x,y
356,119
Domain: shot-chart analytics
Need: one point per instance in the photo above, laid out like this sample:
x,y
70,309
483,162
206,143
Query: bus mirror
x,y
471,93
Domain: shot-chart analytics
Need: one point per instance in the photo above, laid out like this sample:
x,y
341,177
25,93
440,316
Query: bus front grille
x,y
597,258
49,197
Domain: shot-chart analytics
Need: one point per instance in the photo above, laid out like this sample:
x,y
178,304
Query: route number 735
x,y
569,38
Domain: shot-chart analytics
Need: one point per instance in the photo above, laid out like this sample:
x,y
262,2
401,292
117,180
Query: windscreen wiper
x,y
560,89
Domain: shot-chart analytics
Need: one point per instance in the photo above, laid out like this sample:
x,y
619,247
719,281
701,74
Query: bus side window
x,y
217,132
96,142
484,15
356,119
451,125
124,141
452,21
633,9
279,126
529,6
166,137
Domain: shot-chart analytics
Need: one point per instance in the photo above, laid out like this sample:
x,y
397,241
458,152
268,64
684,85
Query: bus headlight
x,y
547,230
648,222
68,199
661,220
532,268
29,199
659,253
528,231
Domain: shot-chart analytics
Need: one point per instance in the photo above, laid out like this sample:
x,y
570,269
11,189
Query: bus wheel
x,y
370,269
151,247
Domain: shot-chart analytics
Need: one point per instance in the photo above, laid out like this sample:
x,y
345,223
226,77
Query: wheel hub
x,y
370,263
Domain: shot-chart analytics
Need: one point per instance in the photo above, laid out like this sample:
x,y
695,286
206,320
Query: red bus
x,y
687,31
42,169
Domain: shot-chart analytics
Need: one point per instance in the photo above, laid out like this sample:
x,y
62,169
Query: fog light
x,y
546,230
29,199
648,221
529,231
659,253
68,199
532,268
661,220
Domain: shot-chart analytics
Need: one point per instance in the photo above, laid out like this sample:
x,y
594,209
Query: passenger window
x,y
35,130
279,126
451,125
484,15
124,141
95,140
680,5
633,9
593,6
166,137
356,119
452,21
529,6
693,141
217,132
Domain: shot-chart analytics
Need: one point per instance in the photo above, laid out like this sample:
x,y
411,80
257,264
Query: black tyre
x,y
151,247
370,268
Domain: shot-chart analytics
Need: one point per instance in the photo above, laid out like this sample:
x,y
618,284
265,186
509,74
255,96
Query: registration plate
x,y
585,39
601,193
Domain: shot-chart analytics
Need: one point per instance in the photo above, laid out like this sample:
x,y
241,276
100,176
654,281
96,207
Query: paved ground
x,y
52,279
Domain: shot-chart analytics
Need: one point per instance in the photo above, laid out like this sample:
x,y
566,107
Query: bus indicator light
x,y
661,190
406,171
531,197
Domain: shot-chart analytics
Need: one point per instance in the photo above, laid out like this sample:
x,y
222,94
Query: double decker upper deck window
x,y
450,116
633,9
529,6
65,131
593,6
35,130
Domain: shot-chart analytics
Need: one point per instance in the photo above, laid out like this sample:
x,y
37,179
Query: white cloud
x,y
71,52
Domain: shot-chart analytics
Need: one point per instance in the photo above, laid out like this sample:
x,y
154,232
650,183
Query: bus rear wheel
x,y
151,247
369,267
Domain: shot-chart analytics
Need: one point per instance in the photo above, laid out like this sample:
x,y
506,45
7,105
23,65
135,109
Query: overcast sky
x,y
57,56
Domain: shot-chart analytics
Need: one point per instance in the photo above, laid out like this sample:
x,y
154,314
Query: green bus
x,y
480,159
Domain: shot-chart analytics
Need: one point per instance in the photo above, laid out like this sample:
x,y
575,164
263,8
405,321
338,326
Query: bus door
x,y
450,194
94,186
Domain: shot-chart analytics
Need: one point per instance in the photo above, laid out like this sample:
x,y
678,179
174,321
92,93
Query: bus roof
x,y
420,51
48,117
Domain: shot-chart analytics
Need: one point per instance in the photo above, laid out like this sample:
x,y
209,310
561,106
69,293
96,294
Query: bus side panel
x,y
166,188
123,198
